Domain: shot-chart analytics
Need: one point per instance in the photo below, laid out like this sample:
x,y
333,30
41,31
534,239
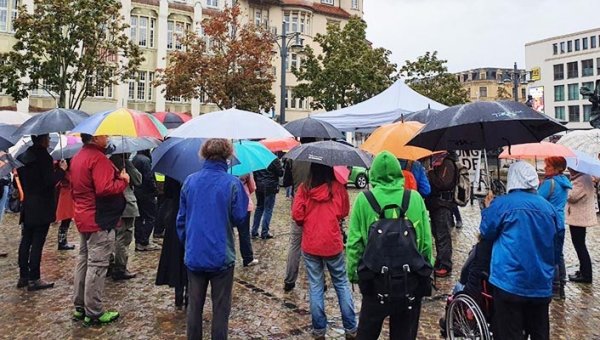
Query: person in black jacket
x,y
267,187
38,179
146,201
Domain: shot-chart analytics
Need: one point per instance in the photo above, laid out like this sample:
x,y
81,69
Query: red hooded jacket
x,y
318,211
93,176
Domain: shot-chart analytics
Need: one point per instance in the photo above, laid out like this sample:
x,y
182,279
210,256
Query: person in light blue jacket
x,y
555,189
527,237
212,203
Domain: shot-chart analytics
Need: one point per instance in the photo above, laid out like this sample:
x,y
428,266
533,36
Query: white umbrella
x,y
231,124
13,117
587,141
584,163
25,142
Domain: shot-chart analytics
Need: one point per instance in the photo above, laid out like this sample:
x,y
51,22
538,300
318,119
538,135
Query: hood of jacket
x,y
563,181
386,171
320,193
31,154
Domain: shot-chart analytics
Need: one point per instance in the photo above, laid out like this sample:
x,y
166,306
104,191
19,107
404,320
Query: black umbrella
x,y
55,120
330,153
485,125
423,116
6,138
7,164
67,152
310,127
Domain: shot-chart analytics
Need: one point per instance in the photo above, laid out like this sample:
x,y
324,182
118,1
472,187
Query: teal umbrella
x,y
253,156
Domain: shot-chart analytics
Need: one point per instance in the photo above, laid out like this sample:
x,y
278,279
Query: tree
x,y
430,77
70,49
503,93
348,72
229,66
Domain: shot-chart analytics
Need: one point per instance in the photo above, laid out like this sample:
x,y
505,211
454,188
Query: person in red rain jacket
x,y
97,189
320,203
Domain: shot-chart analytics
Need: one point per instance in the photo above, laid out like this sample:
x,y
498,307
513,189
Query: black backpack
x,y
391,265
288,179
444,177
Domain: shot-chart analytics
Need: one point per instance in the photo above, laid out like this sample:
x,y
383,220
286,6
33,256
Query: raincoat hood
x,y
562,181
386,170
320,193
31,154
522,175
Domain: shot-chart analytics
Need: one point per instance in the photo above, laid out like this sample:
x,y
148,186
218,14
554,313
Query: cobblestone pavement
x,y
261,310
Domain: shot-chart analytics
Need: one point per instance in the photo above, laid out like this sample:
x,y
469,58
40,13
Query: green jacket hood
x,y
386,171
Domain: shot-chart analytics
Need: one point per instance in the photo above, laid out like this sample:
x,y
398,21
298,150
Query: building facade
x,y
561,67
155,26
486,84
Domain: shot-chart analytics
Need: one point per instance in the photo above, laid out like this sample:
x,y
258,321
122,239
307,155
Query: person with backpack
x,y
419,176
267,187
320,203
443,178
405,260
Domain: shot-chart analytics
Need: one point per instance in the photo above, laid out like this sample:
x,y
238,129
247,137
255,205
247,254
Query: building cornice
x,y
181,7
155,3
570,35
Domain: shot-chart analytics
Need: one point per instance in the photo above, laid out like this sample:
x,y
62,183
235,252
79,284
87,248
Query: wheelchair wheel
x,y
465,320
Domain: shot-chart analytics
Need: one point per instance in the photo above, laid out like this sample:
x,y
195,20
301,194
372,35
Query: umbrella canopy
x,y
423,116
13,117
67,152
171,120
56,140
536,150
341,174
393,138
330,153
6,138
280,144
126,144
7,164
485,125
253,156
122,122
587,141
310,127
55,120
231,124
178,158
585,163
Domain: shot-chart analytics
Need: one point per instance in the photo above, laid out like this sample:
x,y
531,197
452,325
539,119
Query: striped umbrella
x,y
122,122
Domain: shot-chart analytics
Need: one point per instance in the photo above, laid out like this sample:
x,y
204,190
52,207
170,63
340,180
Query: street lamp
x,y
515,78
295,45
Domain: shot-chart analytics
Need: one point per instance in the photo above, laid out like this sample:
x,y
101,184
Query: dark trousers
x,y
221,285
145,223
63,230
245,243
161,218
441,221
33,238
578,238
456,214
515,318
404,323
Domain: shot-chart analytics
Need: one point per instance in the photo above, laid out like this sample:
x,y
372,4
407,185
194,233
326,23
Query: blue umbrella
x,y
253,156
7,164
178,158
6,138
584,163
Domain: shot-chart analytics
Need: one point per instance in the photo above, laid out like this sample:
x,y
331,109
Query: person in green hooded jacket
x,y
388,187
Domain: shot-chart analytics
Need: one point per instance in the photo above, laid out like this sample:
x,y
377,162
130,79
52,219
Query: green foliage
x,y
348,72
430,77
70,49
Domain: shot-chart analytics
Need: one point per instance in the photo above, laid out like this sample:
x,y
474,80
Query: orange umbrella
x,y
279,144
537,150
393,138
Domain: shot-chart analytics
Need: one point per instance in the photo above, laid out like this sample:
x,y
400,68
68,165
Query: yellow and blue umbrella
x,y
122,122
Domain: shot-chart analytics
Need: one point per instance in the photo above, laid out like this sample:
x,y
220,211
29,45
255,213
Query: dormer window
x,y
327,2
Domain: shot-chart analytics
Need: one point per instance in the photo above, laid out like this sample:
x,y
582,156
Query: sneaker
x,y
153,247
443,272
254,235
161,235
139,247
79,314
106,318
267,236
66,246
23,282
3,254
459,224
251,263
125,275
39,285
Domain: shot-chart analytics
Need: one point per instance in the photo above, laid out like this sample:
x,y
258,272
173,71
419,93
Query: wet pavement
x,y
260,308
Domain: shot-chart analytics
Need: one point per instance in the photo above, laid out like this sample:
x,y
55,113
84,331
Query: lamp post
x,y
516,80
294,43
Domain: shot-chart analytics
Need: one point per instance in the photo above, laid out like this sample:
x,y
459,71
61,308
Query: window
x,y
589,85
483,92
587,112
150,86
587,67
143,31
574,113
570,46
7,21
572,70
593,42
212,3
170,27
523,93
559,112
354,4
258,18
292,100
585,44
577,45
573,91
295,22
133,28
562,47
141,86
175,31
286,99
559,72
132,89
178,35
559,93
295,61
286,21
327,2
598,66
555,49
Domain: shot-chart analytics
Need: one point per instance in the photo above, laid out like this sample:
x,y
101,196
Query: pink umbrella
x,y
341,174
73,140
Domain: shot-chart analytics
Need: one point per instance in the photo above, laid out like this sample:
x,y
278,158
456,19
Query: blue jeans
x,y
3,201
264,204
315,269
289,191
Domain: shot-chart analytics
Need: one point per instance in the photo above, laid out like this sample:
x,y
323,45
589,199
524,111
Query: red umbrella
x,y
172,120
279,144
341,173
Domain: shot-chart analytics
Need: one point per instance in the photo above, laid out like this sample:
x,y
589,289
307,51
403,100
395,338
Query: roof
x,y
594,30
302,3
331,10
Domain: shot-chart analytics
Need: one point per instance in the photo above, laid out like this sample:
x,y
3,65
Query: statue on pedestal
x,y
594,98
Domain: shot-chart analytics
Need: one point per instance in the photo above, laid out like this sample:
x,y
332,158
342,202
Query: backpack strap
x,y
405,202
409,165
551,188
373,202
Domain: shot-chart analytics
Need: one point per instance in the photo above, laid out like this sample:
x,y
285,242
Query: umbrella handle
x,y
62,155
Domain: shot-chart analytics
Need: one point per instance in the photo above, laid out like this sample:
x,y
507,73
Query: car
x,y
359,176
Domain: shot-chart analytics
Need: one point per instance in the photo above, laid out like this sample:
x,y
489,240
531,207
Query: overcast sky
x,y
473,33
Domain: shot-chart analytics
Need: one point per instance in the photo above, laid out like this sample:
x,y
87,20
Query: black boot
x,y
39,285
561,291
66,246
179,298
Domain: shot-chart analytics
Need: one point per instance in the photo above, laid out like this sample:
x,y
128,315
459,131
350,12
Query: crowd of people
x,y
388,251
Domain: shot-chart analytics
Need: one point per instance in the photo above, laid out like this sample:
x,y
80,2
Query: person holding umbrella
x,y
267,187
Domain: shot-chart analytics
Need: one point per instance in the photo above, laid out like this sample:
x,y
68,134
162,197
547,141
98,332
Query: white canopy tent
x,y
382,109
